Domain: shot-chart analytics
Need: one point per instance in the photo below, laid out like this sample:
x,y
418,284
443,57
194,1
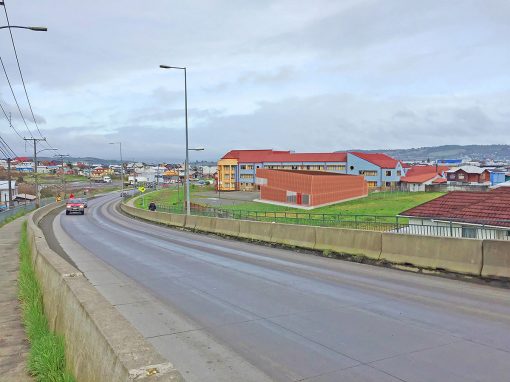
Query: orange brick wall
x,y
321,188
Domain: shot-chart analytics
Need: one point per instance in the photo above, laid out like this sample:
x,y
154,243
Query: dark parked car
x,y
75,206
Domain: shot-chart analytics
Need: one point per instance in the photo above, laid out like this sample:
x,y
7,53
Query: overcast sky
x,y
308,76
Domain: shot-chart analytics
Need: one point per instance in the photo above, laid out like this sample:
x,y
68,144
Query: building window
x,y
469,232
336,168
389,184
399,173
460,176
294,167
291,197
243,167
351,167
368,172
305,199
372,184
388,172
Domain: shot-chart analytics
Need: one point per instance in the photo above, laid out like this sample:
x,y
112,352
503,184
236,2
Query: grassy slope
x,y
47,354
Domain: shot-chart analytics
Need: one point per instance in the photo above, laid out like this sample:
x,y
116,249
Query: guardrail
x,y
483,229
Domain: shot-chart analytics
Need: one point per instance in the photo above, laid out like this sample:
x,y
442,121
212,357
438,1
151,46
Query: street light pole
x,y
35,140
186,164
121,167
63,175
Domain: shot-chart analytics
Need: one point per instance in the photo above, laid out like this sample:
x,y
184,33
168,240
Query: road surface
x,y
223,310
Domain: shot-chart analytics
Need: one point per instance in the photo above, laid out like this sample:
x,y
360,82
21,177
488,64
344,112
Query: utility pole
x,y
62,156
35,140
9,205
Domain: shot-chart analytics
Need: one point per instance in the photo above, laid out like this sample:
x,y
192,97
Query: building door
x,y
299,198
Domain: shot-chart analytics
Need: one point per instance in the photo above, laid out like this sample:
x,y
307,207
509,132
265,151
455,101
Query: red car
x,y
75,206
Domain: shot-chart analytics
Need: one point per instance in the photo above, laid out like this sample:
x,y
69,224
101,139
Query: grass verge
x,y
46,360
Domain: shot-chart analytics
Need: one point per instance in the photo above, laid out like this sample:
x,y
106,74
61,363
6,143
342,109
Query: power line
x,y
14,96
8,149
10,122
19,69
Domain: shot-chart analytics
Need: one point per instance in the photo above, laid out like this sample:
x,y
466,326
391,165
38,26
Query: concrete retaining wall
x,y
356,242
452,254
496,258
488,258
253,230
101,345
295,235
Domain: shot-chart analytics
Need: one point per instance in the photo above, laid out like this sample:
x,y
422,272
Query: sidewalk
x,y
14,346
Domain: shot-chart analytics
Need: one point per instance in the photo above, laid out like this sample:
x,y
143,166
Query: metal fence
x,y
5,214
488,229
26,207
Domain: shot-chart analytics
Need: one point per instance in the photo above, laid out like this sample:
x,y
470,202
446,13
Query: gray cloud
x,y
309,76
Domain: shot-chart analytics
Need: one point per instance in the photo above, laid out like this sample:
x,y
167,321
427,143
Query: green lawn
x,y
170,197
377,203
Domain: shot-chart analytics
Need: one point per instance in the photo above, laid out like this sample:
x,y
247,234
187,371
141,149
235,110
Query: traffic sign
x,y
141,189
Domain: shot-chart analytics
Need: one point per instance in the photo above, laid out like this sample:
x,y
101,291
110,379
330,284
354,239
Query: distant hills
x,y
473,152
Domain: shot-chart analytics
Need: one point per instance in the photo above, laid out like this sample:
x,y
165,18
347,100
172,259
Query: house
x,y
237,169
468,174
4,191
483,215
379,170
308,189
417,177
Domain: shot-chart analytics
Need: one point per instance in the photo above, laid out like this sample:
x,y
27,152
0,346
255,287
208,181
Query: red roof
x,y
260,156
418,178
439,180
381,160
492,208
415,170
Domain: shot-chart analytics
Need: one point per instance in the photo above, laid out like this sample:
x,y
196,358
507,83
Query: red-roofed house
x,y
417,177
483,215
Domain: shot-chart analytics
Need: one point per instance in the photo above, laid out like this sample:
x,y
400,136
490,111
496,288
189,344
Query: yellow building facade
x,y
227,174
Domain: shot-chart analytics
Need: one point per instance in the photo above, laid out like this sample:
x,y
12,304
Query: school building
x,y
237,169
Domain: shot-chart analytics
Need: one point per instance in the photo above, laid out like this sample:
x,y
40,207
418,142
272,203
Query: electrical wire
x,y
10,122
8,149
22,78
19,68
14,96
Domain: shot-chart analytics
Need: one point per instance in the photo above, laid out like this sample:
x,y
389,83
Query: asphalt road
x,y
273,314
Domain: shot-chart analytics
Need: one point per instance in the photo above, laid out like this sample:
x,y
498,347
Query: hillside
x,y
474,152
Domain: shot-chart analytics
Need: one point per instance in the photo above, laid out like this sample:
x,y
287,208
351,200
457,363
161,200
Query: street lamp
x,y
121,167
186,164
36,29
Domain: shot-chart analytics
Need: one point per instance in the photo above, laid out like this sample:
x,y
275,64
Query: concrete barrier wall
x,y
488,258
101,345
452,254
253,230
230,227
357,242
496,258
295,235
